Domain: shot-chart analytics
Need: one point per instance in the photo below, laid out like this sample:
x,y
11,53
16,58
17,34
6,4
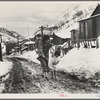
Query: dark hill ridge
x,y
11,33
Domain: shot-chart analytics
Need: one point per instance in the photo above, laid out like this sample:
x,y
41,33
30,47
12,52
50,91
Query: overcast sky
x,y
24,17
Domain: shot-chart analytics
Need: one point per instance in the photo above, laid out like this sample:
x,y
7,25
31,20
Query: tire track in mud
x,y
19,81
46,86
23,81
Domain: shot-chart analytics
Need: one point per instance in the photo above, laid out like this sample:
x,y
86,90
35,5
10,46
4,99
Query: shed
x,y
30,45
74,34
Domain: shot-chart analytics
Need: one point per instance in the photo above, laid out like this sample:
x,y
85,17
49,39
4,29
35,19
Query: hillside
x,y
8,35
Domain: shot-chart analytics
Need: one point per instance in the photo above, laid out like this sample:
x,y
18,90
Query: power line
x,y
59,14
69,8
67,13
73,9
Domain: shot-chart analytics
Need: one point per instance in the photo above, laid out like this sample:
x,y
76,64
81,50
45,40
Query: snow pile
x,y
31,55
5,67
83,62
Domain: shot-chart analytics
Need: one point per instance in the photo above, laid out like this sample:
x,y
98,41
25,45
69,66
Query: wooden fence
x,y
86,43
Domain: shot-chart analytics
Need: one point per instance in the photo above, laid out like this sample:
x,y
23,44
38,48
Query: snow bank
x,y
31,55
83,62
5,67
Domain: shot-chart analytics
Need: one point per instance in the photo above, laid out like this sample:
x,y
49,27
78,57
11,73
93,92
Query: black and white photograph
x,y
50,49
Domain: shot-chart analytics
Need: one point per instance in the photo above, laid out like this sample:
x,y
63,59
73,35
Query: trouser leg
x,y
51,74
55,75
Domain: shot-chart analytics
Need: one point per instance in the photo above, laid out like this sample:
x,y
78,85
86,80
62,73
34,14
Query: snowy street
x,y
26,77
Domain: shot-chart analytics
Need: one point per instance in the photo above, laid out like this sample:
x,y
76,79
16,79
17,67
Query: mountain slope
x,y
8,35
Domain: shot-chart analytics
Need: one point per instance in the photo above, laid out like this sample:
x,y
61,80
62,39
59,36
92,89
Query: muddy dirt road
x,y
26,77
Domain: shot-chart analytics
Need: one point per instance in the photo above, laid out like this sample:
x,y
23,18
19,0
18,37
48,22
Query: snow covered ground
x,y
31,55
84,62
5,67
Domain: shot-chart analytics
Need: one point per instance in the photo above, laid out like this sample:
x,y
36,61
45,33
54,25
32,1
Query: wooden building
x,y
30,45
90,28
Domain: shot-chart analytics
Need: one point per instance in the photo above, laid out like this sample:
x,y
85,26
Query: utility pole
x,y
41,30
1,48
18,43
28,36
